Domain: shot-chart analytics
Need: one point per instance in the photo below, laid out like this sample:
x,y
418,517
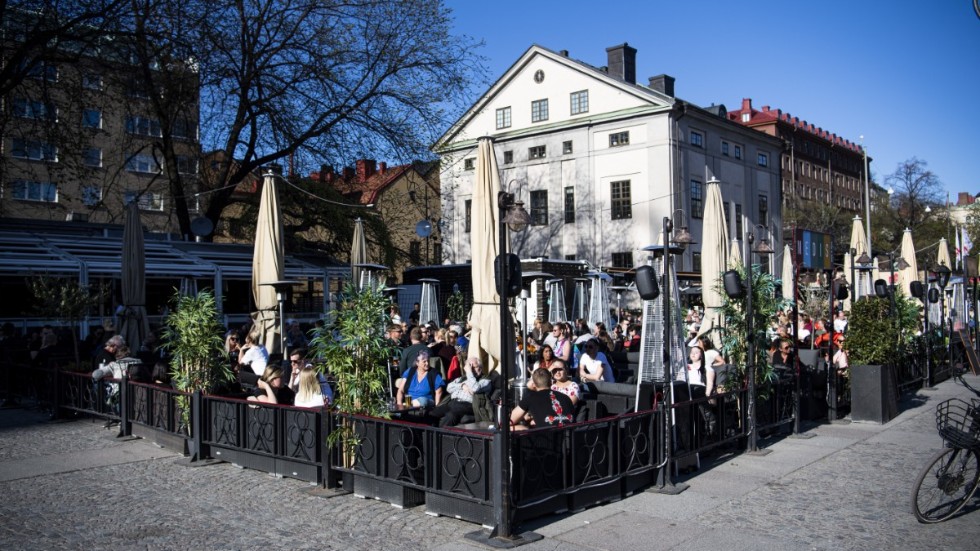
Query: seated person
x,y
116,369
593,365
421,384
783,357
298,362
308,394
253,355
562,382
546,407
271,390
461,392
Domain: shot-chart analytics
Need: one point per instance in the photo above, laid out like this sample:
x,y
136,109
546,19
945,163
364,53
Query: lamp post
x,y
853,282
864,265
763,248
511,215
943,273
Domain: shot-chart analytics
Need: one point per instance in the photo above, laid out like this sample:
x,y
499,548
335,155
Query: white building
x,y
599,161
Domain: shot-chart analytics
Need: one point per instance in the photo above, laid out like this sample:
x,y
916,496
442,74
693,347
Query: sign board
x,y
971,351
813,250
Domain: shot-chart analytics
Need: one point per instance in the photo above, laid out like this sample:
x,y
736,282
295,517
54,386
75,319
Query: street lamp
x,y
513,216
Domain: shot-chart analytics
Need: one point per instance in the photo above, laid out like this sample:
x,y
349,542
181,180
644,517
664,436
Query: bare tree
x,y
303,82
914,188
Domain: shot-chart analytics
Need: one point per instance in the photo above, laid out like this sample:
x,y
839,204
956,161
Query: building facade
x,y
80,140
817,166
599,160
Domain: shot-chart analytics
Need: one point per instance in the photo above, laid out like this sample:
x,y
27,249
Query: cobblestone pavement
x,y
74,485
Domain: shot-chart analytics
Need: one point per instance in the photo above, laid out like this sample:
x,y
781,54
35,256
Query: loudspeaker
x,y
840,290
513,276
881,288
733,284
917,289
934,295
646,283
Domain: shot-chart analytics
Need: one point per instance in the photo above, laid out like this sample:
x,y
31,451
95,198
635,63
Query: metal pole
x,y
750,348
867,198
928,337
502,494
853,282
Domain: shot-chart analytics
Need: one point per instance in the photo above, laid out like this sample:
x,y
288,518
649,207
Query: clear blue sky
x,y
904,74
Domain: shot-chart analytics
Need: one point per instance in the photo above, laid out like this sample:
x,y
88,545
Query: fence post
x,y
124,429
331,478
197,427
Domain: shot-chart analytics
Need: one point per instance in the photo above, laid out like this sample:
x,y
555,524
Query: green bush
x,y
875,333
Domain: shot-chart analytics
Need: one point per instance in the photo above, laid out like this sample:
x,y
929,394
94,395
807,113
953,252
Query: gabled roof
x,y
366,189
653,97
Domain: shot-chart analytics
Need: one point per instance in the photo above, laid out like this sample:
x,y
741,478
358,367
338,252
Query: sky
x,y
904,74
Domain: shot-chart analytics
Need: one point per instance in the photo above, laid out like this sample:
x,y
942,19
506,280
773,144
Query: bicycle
x,y
952,476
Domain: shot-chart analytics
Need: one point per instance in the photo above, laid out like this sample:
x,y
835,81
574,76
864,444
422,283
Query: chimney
x,y
964,199
563,53
365,169
348,174
765,108
622,62
663,83
747,104
382,168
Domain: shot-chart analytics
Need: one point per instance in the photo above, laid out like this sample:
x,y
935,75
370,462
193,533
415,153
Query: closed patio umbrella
x,y
735,256
789,282
358,253
714,255
484,239
267,267
911,273
135,326
859,242
942,256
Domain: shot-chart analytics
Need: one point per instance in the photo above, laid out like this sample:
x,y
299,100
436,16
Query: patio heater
x,y
942,274
429,303
599,300
556,301
619,290
580,300
370,275
281,287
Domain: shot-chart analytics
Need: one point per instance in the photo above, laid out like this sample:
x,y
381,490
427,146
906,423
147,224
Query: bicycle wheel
x,y
945,485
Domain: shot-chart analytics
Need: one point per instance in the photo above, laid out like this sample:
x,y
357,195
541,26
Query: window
x,y
137,89
539,110
617,139
746,117
469,164
724,148
697,139
143,126
503,118
467,215
536,152
508,157
146,200
142,163
697,199
738,152
569,205
183,129
186,165
91,118
738,221
39,110
33,150
42,71
570,257
539,208
566,147
763,159
91,195
92,81
622,260
620,200
92,157
695,262
764,210
415,252
580,102
26,190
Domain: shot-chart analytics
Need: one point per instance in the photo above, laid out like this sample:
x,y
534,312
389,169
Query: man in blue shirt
x,y
421,384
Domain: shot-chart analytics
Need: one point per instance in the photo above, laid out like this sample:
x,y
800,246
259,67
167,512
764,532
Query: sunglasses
x,y
557,370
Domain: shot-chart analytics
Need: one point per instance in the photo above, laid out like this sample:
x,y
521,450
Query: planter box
x,y
394,493
874,393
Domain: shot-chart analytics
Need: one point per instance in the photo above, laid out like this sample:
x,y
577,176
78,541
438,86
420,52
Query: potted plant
x,y
67,301
875,334
192,336
456,306
356,352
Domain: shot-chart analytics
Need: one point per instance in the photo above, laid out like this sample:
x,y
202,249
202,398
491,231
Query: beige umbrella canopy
x,y
135,326
911,273
714,254
358,252
943,256
735,256
267,267
789,284
484,239
859,242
